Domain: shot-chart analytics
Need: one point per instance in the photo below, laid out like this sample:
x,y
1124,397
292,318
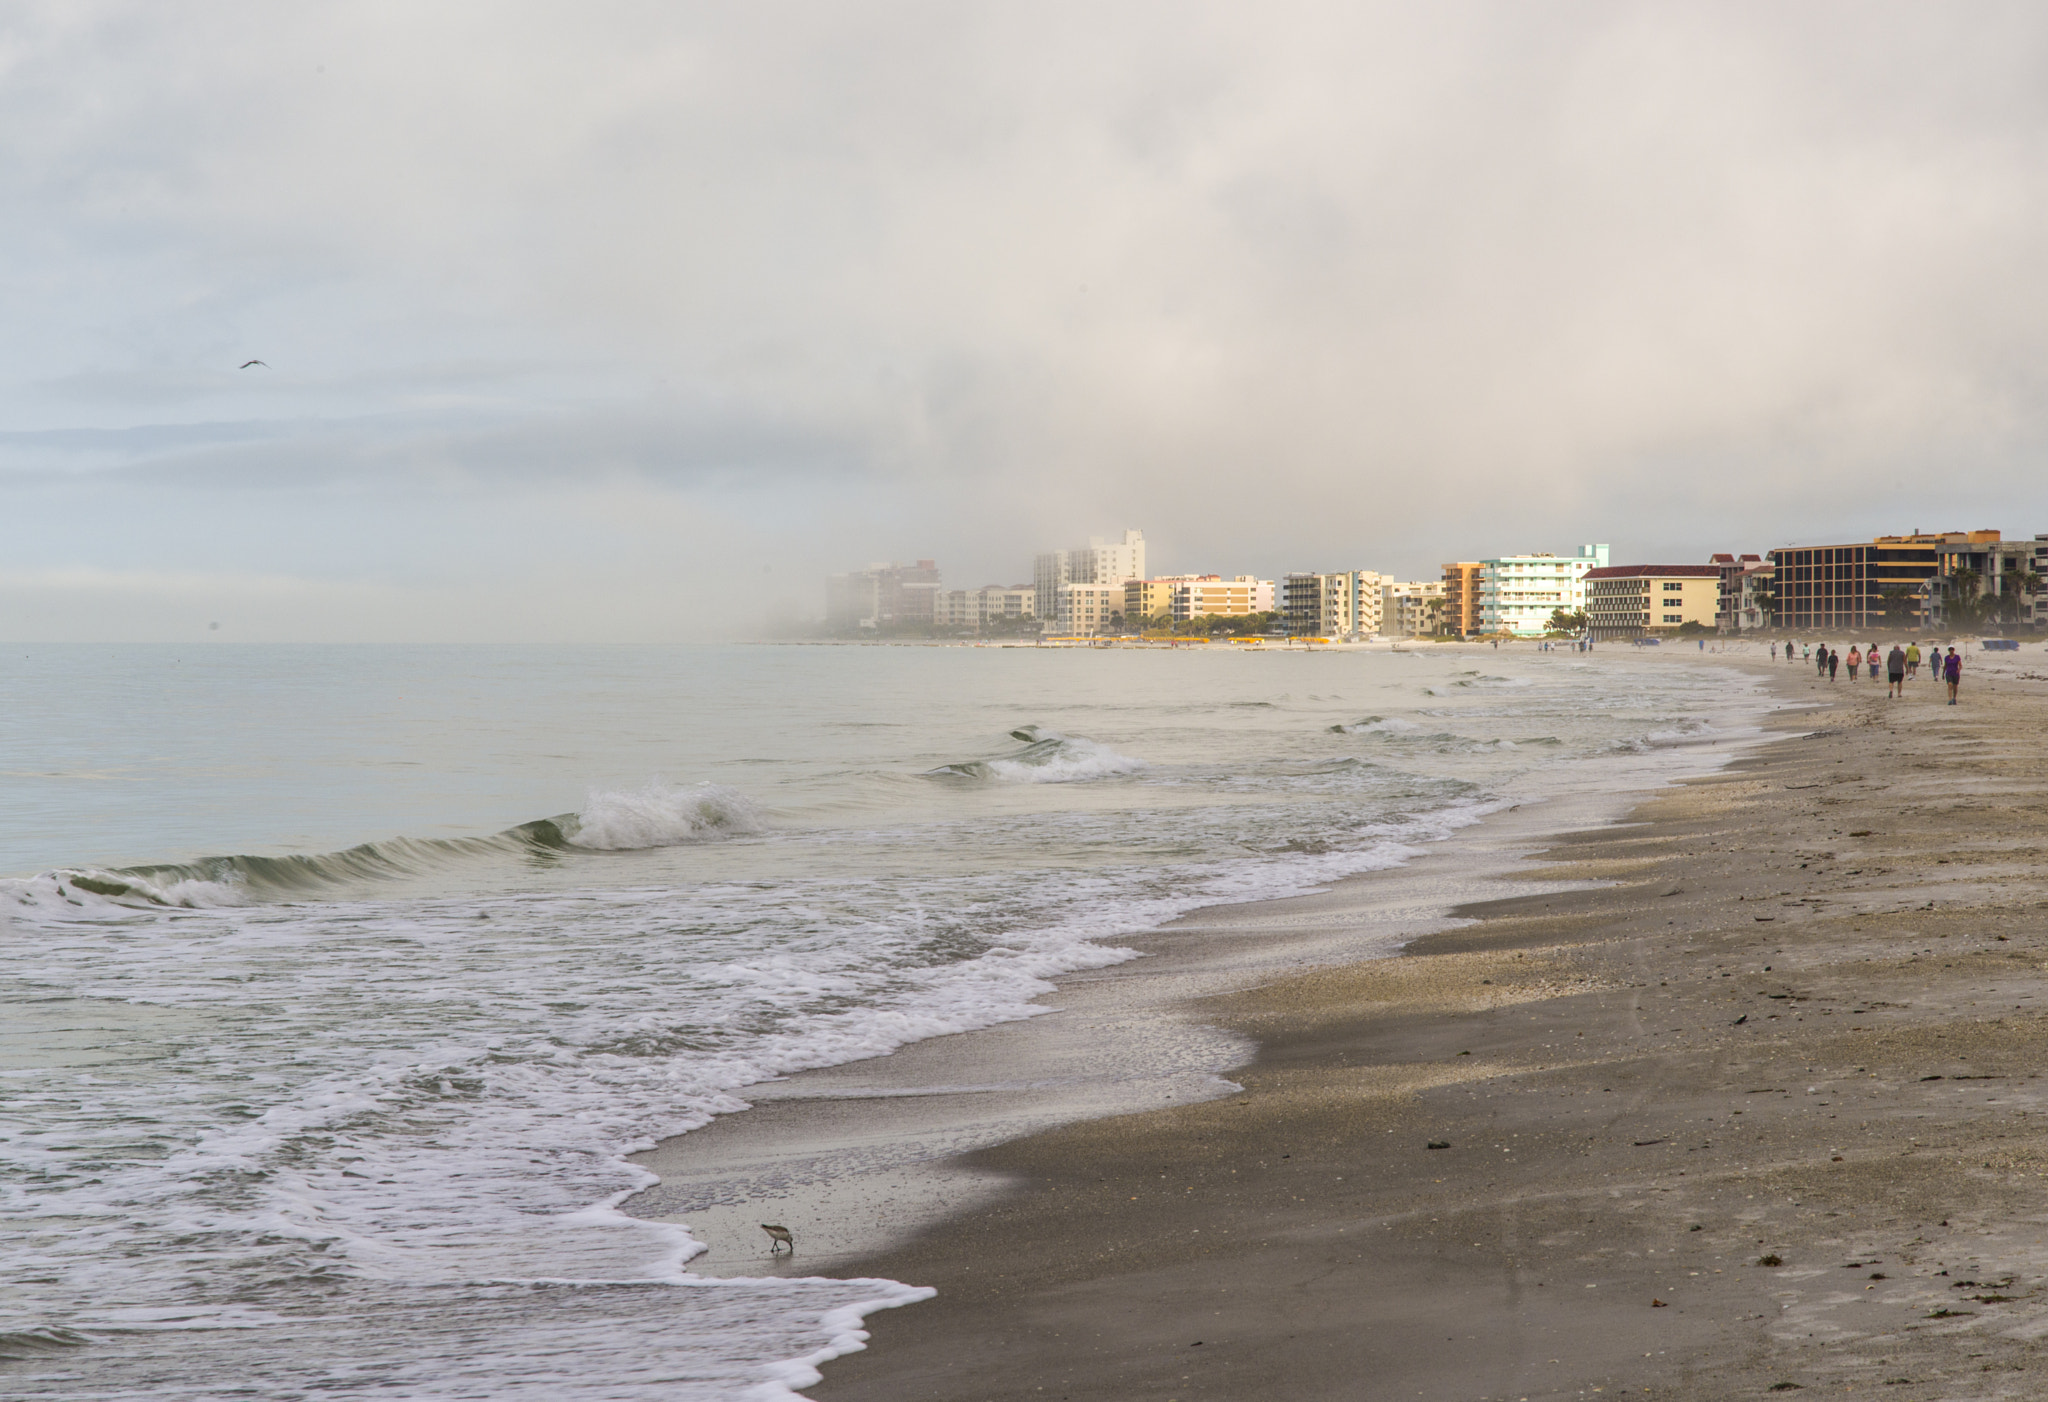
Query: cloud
x,y
1307,286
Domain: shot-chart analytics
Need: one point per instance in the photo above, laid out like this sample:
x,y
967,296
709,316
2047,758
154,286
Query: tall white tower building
x,y
1097,562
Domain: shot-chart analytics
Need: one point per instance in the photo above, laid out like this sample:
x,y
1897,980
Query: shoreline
x,y
1596,1217
863,1157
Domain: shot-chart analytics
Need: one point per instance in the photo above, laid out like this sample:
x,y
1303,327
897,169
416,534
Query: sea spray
x,y
661,814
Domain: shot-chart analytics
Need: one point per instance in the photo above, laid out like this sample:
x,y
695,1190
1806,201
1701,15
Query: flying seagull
x,y
247,363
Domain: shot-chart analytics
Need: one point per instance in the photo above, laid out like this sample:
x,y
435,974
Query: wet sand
x,y
1743,1093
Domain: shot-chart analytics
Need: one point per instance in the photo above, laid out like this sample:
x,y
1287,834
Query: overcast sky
x,y
612,321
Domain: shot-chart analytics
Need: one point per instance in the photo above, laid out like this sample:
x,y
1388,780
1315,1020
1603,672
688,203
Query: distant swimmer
x,y
247,363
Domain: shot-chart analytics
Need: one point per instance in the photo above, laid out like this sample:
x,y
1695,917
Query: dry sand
x,y
1760,1110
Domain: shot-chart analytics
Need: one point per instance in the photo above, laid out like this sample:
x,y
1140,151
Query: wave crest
x,y
660,814
657,815
1048,757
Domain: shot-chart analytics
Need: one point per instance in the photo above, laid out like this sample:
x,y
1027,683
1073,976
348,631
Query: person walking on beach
x,y
1952,673
1912,659
1895,672
1855,660
1834,663
1820,661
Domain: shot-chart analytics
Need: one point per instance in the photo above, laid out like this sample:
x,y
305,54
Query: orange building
x,y
1461,598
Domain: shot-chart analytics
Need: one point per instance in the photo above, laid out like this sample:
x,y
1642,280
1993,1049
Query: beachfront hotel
x,y
1635,601
1098,562
1906,580
1345,604
1518,593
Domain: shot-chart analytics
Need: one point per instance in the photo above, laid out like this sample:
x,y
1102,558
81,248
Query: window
x,y
1674,618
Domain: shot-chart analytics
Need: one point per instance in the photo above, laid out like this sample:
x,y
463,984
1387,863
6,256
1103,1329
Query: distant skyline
x,y
631,322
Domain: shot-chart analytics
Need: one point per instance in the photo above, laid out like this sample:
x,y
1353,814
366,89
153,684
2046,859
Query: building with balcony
x,y
1097,562
1732,568
1412,608
978,608
1887,581
1461,597
1518,593
1341,605
1088,610
1634,601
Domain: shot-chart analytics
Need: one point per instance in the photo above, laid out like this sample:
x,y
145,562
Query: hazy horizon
x,y
633,322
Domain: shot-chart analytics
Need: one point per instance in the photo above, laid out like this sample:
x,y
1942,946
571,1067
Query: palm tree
x,y
1766,599
1899,606
2017,602
1962,607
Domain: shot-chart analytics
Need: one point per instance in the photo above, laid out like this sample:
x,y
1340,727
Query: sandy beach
x,y
1744,1095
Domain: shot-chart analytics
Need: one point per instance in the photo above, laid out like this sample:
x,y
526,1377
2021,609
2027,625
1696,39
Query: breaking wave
x,y
661,815
1048,757
657,814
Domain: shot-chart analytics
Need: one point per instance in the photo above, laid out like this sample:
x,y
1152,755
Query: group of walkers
x,y
1901,664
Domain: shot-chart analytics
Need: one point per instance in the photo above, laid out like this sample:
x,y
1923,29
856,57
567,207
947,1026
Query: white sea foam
x,y
1063,760
1691,731
660,814
323,1105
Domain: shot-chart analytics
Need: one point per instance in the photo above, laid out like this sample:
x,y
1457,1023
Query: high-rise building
x,y
1345,604
1461,597
1938,579
1518,593
882,595
1097,562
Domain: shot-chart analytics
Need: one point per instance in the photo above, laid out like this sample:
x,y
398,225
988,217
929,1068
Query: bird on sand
x,y
778,1237
247,363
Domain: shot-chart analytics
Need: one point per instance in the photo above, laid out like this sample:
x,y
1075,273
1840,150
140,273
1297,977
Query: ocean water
x,y
338,982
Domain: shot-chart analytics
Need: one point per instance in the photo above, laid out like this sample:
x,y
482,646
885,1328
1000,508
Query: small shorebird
x,y
247,363
779,1237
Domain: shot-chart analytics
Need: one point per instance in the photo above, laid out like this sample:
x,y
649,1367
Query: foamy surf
x,y
661,814
302,1120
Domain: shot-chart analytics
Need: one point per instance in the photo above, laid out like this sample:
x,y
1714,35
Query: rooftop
x,y
1659,571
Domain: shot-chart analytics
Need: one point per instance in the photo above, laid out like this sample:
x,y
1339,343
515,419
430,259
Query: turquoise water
x,y
341,980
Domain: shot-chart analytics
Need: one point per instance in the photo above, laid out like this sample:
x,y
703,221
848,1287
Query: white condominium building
x,y
1342,605
1518,593
1098,562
